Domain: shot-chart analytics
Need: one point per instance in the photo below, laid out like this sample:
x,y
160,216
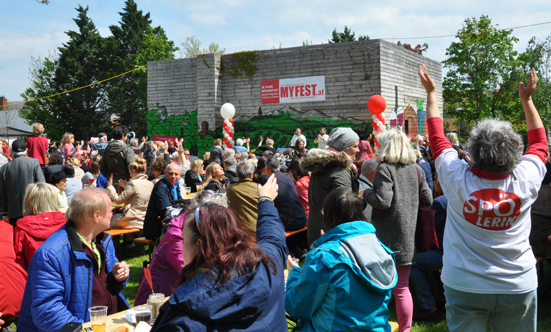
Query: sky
x,y
30,29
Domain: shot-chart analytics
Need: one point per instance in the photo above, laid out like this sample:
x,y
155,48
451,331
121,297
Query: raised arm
x,y
533,119
537,139
439,142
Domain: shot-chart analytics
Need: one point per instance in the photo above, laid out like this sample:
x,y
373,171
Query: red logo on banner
x,y
492,209
269,92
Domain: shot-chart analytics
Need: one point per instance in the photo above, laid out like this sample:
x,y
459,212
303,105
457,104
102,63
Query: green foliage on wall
x,y
240,64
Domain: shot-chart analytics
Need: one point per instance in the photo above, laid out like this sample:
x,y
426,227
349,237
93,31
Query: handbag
x,y
425,233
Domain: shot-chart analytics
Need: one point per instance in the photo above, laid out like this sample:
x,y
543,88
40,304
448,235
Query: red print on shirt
x,y
492,209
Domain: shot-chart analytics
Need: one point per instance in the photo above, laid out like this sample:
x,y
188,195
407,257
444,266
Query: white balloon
x,y
227,111
226,121
226,135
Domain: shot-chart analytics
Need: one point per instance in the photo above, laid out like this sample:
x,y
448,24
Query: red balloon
x,y
376,104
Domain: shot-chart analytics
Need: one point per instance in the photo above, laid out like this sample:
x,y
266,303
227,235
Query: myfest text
x,y
293,90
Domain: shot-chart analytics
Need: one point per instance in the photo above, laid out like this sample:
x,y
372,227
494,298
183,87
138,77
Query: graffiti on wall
x,y
278,125
410,121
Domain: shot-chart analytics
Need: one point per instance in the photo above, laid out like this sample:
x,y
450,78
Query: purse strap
x,y
421,202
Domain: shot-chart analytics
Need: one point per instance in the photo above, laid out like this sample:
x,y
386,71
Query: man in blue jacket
x,y
75,269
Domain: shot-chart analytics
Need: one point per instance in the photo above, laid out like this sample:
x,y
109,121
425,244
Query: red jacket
x,y
12,276
302,190
31,232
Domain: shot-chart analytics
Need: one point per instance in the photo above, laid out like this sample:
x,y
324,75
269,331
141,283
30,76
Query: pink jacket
x,y
302,190
166,264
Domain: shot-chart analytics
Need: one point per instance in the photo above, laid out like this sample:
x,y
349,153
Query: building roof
x,y
14,132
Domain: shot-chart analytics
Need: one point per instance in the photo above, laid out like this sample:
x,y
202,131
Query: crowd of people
x,y
222,255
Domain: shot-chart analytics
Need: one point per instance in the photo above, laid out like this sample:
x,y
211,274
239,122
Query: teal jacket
x,y
345,283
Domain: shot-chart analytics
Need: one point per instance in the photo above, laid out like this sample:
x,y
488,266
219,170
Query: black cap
x,y
19,146
57,177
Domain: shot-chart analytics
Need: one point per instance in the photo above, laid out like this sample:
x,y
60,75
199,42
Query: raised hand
x,y
427,82
525,93
269,189
110,182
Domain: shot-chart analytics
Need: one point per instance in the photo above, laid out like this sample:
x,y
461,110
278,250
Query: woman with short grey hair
x,y
489,269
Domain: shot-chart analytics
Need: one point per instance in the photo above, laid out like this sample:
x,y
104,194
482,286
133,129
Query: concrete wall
x,y
353,72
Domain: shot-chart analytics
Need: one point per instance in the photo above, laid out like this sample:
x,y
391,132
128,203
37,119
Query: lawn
x,y
544,299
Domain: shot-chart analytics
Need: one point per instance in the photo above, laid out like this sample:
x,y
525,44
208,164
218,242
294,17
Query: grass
x,y
544,298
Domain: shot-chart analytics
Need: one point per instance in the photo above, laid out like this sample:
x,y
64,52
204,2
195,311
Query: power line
x,y
82,87
473,33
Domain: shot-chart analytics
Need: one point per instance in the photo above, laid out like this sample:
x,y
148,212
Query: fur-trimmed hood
x,y
318,161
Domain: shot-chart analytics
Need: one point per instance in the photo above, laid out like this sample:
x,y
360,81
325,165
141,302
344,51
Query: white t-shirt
x,y
322,143
486,247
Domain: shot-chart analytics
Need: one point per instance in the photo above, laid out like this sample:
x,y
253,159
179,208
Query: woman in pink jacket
x,y
167,261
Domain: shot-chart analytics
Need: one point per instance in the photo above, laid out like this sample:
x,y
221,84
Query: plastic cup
x,y
199,188
143,313
155,301
188,190
98,318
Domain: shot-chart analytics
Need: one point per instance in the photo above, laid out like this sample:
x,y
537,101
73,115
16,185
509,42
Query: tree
x,y
479,61
81,63
346,36
41,78
127,94
192,48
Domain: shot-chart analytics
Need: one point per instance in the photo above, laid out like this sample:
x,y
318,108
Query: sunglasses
x,y
210,193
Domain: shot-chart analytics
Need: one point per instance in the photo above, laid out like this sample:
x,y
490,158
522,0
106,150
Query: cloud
x,y
208,19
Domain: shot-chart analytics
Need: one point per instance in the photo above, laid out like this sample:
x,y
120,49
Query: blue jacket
x,y
59,285
161,198
345,283
426,168
252,302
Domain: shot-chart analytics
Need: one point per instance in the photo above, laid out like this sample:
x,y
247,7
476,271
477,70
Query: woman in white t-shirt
x,y
489,271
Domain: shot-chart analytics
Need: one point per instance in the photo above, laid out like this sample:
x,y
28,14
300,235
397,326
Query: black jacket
x,y
192,180
160,199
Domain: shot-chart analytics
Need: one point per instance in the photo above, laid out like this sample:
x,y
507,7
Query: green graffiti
x,y
278,125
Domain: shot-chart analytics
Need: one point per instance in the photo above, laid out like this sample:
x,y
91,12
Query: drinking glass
x,y
155,301
199,188
143,313
98,318
188,190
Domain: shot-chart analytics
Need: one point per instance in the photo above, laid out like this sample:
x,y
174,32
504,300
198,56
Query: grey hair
x,y
369,167
149,145
495,147
134,140
85,203
245,169
272,164
216,198
229,153
230,161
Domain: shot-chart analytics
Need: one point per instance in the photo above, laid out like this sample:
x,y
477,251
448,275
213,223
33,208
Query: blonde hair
x,y
38,129
75,162
140,165
39,198
195,166
66,139
206,156
208,172
394,148
452,137
269,142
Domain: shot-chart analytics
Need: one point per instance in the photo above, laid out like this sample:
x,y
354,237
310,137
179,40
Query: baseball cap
x,y
19,146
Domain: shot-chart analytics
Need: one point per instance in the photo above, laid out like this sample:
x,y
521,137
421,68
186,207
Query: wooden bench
x,y
122,231
287,234
151,243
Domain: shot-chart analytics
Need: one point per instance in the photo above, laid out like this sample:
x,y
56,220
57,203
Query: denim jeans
x,y
506,312
427,263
